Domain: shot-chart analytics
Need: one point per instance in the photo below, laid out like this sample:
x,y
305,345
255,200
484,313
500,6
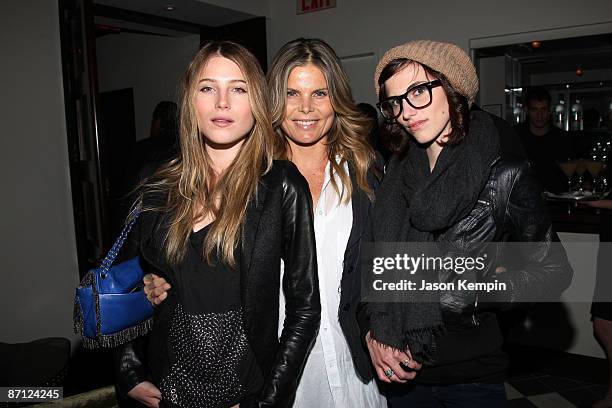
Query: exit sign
x,y
308,6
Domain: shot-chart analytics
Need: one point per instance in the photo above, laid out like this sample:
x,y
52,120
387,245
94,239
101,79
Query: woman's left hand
x,y
388,362
156,288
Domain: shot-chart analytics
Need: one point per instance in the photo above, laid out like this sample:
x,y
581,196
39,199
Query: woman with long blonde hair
x,y
216,223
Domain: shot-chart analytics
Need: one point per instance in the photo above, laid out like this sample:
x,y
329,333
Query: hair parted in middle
x,y
347,138
189,182
394,136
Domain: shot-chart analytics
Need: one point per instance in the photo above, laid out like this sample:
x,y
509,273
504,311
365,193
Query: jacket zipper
x,y
474,321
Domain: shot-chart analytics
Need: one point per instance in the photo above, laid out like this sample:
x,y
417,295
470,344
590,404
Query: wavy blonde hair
x,y
189,181
347,137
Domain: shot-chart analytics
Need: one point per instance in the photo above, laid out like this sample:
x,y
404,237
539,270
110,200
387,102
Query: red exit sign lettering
x,y
308,6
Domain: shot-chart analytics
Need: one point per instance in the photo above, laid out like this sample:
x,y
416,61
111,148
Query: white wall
x,y
364,26
492,72
151,65
37,249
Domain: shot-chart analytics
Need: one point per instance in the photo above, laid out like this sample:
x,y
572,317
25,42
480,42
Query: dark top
x,y
508,208
207,360
278,225
545,152
509,140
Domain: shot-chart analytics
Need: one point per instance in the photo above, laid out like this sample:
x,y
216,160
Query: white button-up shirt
x,y
329,378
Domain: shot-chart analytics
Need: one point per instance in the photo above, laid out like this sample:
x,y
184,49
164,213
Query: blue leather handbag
x,y
110,306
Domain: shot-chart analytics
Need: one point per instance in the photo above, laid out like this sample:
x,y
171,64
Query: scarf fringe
x,y
427,355
421,342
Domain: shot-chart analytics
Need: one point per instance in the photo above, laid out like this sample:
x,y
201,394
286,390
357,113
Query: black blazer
x,y
350,285
279,225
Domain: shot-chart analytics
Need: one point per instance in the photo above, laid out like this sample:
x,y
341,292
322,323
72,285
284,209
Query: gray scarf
x,y
415,205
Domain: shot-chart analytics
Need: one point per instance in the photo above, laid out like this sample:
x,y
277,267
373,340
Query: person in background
x,y
149,154
374,135
545,144
160,147
601,308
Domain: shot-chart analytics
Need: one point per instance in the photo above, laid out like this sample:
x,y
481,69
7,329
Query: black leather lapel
x,y
249,234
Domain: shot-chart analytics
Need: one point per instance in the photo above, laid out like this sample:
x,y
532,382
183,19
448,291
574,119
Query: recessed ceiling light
x,y
536,44
169,7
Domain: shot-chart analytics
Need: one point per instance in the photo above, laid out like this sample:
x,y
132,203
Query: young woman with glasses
x,y
216,224
449,184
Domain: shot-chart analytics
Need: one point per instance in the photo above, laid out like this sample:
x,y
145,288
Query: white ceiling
x,y
193,11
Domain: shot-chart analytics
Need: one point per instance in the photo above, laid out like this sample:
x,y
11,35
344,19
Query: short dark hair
x,y
167,113
537,93
394,135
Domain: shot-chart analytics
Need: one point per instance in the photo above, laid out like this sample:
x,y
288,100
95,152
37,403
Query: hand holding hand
x,y
388,362
156,288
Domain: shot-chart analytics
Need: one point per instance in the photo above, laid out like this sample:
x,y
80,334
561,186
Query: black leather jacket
x,y
509,208
350,285
279,224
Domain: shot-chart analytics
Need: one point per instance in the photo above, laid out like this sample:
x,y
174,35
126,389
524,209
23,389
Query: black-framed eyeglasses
x,y
418,96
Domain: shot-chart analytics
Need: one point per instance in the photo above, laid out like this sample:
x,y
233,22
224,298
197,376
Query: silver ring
x,y
406,362
389,372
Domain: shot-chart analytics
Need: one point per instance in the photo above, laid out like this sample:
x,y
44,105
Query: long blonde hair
x,y
189,181
347,137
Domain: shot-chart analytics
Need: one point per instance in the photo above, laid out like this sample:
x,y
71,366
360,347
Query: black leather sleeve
x,y
301,289
545,271
129,366
128,358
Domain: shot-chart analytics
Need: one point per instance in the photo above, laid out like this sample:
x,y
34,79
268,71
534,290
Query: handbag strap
x,y
114,251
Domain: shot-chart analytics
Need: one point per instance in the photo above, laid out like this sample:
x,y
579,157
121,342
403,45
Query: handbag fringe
x,y
119,338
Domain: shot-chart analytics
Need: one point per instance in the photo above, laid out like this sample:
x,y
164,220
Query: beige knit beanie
x,y
445,58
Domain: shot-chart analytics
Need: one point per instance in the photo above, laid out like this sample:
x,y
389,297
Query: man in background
x,y
545,145
149,154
